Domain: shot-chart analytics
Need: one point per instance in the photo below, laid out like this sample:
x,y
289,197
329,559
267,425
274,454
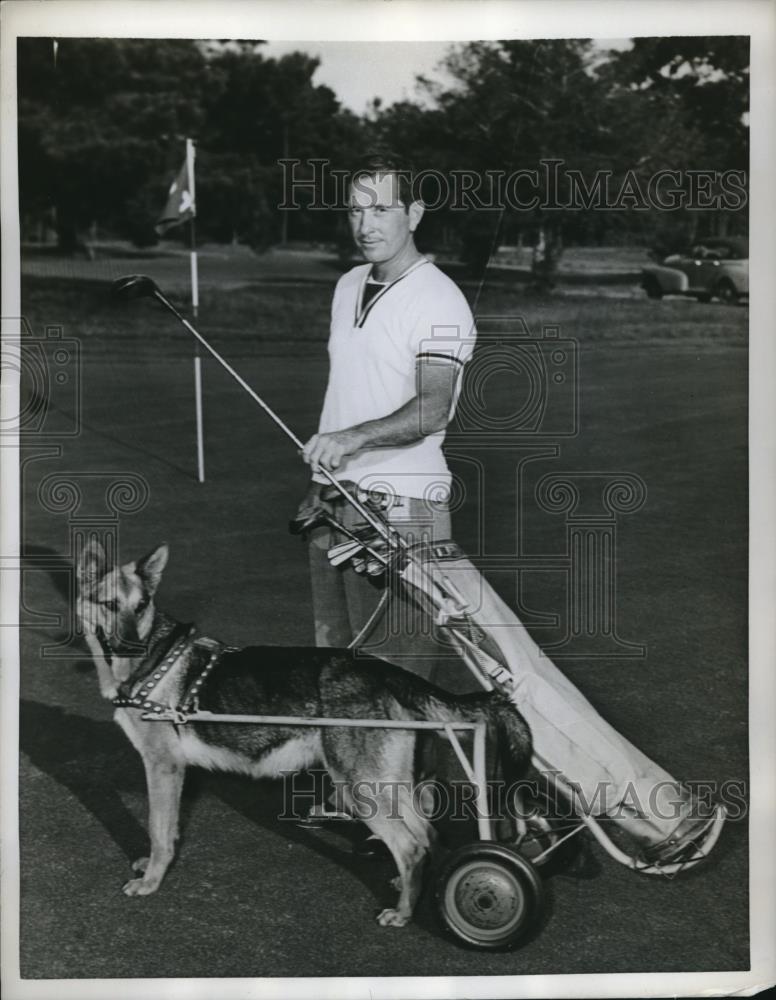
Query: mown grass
x,y
662,395
277,317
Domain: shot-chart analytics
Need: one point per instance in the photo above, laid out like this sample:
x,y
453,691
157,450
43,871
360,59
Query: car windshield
x,y
712,251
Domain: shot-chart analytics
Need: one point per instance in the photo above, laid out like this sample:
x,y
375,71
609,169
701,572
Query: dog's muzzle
x,y
115,646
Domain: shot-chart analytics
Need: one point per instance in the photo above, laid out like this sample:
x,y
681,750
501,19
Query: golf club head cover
x,y
309,518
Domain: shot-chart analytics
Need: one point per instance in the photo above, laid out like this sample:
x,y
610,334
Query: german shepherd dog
x,y
147,661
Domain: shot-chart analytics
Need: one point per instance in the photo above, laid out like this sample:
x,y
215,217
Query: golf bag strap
x,y
374,499
440,551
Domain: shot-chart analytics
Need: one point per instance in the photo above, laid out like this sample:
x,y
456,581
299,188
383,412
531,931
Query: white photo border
x,y
407,20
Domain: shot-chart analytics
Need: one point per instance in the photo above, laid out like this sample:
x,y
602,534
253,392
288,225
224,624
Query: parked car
x,y
716,267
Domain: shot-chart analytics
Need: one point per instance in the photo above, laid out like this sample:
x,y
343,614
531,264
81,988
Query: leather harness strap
x,y
141,698
217,650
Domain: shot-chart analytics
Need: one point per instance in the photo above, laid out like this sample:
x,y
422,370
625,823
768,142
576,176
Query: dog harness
x,y
141,698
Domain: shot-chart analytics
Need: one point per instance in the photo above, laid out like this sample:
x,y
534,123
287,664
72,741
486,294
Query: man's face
x,y
381,225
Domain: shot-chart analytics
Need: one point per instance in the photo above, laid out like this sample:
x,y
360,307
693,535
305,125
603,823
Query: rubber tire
x,y
652,287
726,292
488,896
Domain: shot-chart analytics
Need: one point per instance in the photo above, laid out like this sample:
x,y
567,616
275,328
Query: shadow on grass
x,y
96,764
92,760
59,568
122,442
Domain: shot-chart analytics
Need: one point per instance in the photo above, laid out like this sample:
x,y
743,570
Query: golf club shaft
x,y
354,538
235,375
389,534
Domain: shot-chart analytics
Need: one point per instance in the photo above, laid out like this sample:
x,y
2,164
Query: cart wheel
x,y
488,895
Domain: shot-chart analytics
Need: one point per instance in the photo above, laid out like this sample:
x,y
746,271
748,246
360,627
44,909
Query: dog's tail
x,y
428,702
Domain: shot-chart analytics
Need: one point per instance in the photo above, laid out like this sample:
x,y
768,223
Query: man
x,y
401,332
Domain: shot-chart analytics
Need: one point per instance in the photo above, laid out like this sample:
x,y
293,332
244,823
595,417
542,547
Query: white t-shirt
x,y
373,352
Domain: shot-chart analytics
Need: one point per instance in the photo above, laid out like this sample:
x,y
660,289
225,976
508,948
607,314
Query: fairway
x,y
662,396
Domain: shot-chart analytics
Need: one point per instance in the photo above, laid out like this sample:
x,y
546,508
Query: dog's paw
x,y
139,887
140,865
392,918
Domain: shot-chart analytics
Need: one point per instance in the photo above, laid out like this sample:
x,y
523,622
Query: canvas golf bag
x,y
585,756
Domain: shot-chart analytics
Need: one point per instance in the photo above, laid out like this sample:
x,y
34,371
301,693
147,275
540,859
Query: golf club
x,y
317,517
140,286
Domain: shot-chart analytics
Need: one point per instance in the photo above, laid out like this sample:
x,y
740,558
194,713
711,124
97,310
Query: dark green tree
x,y
96,120
670,103
512,105
102,124
683,104
264,111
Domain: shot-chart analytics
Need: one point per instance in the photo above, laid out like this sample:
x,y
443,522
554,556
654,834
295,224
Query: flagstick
x,y
195,309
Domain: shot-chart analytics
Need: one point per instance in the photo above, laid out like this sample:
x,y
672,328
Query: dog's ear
x,y
92,566
151,567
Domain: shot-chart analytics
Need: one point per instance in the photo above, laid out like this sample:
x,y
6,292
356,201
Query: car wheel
x,y
652,287
726,292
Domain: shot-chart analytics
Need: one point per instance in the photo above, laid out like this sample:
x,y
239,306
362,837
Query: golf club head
x,y
134,286
341,553
308,519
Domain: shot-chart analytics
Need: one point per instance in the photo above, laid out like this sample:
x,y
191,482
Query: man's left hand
x,y
328,450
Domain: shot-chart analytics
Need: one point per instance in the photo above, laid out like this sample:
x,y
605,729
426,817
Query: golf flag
x,y
182,207
180,201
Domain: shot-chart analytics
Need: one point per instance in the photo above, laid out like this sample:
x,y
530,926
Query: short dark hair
x,y
383,162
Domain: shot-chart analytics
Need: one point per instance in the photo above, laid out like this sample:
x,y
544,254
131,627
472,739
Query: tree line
x,y
102,123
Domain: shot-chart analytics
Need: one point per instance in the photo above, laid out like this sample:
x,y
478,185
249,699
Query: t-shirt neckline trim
x,y
362,312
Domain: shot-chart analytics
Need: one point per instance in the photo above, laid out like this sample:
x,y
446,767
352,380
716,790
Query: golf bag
x,y
588,757
573,744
